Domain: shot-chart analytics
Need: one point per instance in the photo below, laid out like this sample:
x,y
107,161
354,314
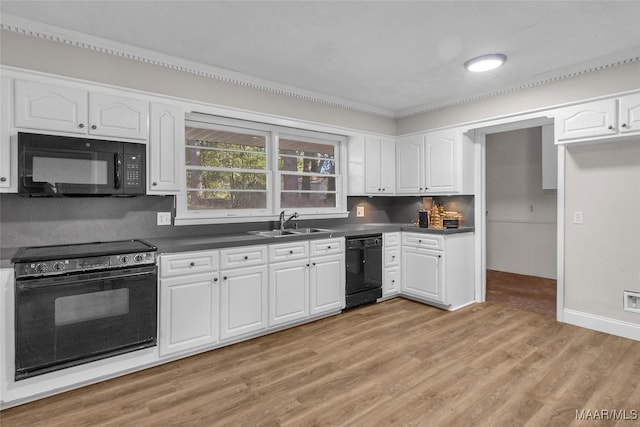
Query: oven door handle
x,y
76,279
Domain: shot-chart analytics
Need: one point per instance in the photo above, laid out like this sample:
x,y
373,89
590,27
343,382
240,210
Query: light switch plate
x,y
578,217
164,218
360,211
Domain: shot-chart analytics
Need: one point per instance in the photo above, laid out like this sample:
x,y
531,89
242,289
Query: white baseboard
x,y
603,324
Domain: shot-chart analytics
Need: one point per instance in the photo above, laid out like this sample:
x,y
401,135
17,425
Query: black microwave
x,y
50,165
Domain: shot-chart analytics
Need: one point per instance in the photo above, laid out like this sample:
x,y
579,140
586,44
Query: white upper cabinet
x,y
630,113
371,166
379,165
8,161
45,107
599,119
117,116
410,165
166,149
433,163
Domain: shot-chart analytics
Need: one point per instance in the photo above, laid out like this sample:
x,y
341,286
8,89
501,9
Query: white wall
x,y
602,255
589,85
37,54
519,240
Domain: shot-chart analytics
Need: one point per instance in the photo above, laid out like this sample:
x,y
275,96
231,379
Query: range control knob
x,y
42,268
125,259
58,266
138,258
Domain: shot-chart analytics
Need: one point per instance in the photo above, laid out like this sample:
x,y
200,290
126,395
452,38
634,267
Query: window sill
x,y
230,219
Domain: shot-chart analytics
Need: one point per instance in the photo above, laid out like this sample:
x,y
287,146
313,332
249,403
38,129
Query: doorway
x,y
520,221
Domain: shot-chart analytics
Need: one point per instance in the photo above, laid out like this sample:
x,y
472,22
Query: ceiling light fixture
x,y
485,62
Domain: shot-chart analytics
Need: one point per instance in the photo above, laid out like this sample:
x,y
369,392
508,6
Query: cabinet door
x,y
327,283
587,120
422,274
441,162
391,281
409,165
188,312
387,164
166,149
7,177
243,307
117,116
630,113
50,108
372,165
288,291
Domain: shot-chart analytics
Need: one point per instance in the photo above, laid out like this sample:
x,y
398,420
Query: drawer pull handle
x,y
291,252
215,279
246,257
307,265
81,125
624,125
192,264
94,127
610,128
313,263
224,277
328,247
3,179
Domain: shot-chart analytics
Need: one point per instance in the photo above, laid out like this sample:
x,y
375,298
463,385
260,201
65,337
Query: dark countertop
x,y
198,243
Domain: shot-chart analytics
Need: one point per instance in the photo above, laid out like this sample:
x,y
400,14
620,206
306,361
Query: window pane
x,y
307,200
307,149
225,140
307,183
225,159
300,164
226,180
197,200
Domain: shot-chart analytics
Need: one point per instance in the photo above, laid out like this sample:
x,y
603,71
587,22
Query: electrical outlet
x,y
578,217
164,218
360,211
631,301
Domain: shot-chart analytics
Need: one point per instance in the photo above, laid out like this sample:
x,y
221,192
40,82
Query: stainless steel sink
x,y
311,230
273,233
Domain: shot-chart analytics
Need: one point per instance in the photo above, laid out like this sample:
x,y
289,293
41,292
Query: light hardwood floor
x,y
394,363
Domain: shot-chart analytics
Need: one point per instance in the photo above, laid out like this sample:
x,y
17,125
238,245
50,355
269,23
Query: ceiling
x,y
393,58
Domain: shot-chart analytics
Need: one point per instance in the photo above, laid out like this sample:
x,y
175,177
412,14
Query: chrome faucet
x,y
284,222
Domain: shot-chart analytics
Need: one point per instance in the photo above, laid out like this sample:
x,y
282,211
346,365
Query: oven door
x,y
69,320
54,165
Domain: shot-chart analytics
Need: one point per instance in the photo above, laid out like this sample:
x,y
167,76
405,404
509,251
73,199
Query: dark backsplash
x,y
36,221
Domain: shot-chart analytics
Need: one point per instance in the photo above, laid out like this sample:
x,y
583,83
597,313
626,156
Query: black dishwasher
x,y
364,269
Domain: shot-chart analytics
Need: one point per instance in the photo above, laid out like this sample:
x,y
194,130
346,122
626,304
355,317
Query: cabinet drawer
x,y
326,246
188,263
288,251
243,256
391,256
391,239
420,240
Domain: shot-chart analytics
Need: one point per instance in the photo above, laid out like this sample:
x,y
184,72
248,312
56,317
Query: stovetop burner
x,y
81,250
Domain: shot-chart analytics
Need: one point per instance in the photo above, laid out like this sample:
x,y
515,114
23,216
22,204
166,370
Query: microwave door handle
x,y
118,169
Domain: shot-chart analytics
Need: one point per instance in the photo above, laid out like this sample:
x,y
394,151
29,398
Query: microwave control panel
x,y
134,171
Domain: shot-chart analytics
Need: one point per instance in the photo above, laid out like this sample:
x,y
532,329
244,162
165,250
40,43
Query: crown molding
x,y
73,38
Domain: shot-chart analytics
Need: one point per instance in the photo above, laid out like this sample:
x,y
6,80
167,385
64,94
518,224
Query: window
x,y
252,171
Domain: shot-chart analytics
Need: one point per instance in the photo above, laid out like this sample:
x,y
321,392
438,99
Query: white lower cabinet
x,y
327,283
243,301
288,291
189,301
391,271
438,269
422,272
312,281
189,312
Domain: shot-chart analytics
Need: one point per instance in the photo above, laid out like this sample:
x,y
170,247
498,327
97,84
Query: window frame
x,y
272,133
